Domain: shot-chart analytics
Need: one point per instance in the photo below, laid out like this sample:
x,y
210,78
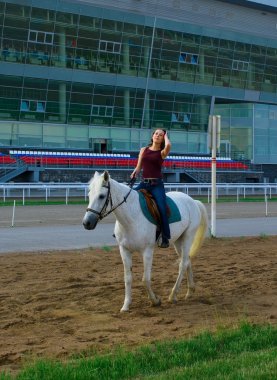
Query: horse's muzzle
x,y
90,221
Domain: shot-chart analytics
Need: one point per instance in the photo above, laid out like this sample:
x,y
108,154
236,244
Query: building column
x,y
126,57
146,104
201,67
249,82
62,48
146,57
126,70
203,115
62,102
127,107
147,111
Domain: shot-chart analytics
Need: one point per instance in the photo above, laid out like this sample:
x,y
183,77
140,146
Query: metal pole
x,y
13,213
148,72
265,198
213,196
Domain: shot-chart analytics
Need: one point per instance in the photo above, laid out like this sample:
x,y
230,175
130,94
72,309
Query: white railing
x,y
66,190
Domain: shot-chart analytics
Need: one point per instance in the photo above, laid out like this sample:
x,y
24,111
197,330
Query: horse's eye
x,y
101,196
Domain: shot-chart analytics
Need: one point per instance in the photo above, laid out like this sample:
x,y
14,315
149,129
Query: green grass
x,y
226,199
246,199
248,352
82,201
42,202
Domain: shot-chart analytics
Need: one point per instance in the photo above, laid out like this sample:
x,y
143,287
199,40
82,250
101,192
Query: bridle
x,y
103,213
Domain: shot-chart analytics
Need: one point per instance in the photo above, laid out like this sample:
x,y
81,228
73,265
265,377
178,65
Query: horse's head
x,y
99,195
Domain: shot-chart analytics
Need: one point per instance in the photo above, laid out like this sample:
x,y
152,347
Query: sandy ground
x,y
60,303
57,304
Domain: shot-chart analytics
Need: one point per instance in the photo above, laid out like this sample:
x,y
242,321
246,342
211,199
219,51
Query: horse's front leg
x,y
147,262
126,257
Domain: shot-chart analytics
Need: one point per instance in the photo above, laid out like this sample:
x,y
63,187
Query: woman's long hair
x,y
151,141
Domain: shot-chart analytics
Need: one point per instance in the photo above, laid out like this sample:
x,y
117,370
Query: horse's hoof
x,y
158,302
124,310
172,300
189,293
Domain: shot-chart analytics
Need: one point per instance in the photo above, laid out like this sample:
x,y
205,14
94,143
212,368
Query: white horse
x,y
134,232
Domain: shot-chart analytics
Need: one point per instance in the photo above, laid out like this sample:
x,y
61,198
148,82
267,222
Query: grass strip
x,y
34,202
42,202
246,366
206,356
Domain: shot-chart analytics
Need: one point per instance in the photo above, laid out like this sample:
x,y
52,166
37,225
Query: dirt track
x,y
59,303
73,214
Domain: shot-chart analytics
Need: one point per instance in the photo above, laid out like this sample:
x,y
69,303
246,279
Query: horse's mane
x,y
96,182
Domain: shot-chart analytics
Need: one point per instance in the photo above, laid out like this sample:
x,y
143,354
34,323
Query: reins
x,y
103,213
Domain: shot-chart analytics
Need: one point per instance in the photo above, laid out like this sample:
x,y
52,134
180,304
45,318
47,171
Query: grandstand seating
x,y
6,159
101,160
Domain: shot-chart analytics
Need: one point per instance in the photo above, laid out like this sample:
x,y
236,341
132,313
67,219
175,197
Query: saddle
x,y
151,212
152,207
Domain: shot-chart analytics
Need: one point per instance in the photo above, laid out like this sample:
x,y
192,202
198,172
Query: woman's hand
x,y
133,174
167,147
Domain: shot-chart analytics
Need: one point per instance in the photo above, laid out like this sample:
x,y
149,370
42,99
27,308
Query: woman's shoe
x,y
164,243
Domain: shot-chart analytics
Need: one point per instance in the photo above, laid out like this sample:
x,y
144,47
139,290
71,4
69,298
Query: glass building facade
x,y
75,75
250,131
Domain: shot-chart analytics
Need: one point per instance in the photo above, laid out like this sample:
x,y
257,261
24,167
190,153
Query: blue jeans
x,y
158,192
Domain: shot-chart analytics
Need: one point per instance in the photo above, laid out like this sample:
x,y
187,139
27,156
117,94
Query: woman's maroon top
x,y
152,163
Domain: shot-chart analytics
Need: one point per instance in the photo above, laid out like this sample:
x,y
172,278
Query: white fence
x,y
66,190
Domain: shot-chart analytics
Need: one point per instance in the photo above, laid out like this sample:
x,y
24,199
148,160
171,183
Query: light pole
x,y
214,144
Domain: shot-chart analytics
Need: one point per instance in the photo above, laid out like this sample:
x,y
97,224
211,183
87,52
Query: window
x,y
40,107
106,111
180,117
109,111
189,58
109,46
41,37
240,65
25,105
32,106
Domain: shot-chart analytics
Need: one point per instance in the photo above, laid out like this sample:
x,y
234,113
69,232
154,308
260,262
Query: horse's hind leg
x,y
126,257
147,263
182,246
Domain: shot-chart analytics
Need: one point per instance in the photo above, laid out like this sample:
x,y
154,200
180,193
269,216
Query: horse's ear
x,y
106,176
94,176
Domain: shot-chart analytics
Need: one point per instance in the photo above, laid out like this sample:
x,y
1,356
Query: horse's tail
x,y
201,231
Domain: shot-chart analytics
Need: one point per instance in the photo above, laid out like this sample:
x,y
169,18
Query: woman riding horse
x,y
150,160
